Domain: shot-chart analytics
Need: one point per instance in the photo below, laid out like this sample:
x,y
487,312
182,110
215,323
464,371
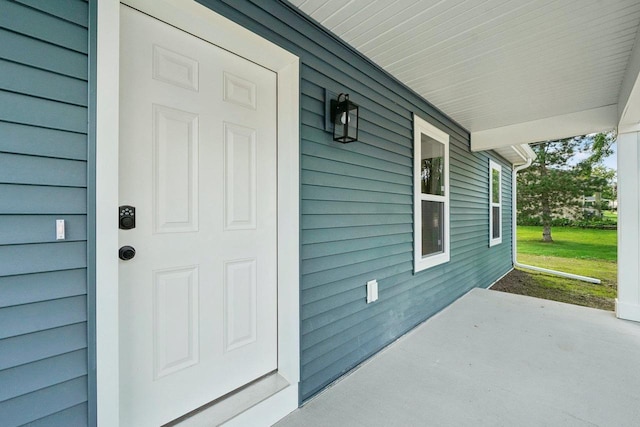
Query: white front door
x,y
198,314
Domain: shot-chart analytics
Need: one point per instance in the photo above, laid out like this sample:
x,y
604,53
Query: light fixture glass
x,y
345,119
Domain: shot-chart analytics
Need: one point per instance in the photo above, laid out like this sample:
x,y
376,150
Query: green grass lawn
x,y
569,242
586,252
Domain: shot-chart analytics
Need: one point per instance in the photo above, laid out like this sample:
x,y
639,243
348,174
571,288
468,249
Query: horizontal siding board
x,y
23,139
467,193
461,237
363,333
318,279
28,51
370,132
40,112
468,173
26,379
20,78
28,318
314,192
43,26
336,261
323,326
25,259
30,407
23,349
344,234
30,288
371,143
314,145
354,183
354,170
312,90
76,416
468,181
312,119
345,299
23,169
22,229
76,11
476,222
465,203
313,207
366,149
330,221
325,249
335,288
35,199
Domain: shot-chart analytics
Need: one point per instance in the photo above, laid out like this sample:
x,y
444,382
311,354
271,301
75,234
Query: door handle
x,y
126,253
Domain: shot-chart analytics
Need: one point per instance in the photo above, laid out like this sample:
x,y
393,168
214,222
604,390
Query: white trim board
x,y
563,126
206,24
495,166
107,119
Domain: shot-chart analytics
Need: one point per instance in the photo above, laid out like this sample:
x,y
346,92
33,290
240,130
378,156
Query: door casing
x,y
206,24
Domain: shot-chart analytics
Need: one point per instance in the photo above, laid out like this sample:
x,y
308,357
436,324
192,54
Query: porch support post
x,y
628,301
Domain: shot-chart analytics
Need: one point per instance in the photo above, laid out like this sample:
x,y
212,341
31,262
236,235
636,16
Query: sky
x,y
611,161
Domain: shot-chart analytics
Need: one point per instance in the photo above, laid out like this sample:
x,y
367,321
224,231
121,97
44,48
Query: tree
x,y
555,182
609,190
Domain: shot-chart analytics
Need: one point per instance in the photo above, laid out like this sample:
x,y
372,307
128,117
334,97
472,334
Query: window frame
x,y
495,166
420,127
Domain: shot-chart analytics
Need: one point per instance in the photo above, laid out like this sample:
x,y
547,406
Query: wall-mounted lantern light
x,y
345,119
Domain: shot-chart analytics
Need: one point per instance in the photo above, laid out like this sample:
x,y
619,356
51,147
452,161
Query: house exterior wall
x,y
43,177
356,203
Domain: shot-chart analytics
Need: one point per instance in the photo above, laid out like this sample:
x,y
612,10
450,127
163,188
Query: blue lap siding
x,y
44,352
357,205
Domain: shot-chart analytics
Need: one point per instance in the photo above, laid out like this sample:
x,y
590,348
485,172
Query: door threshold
x,y
231,405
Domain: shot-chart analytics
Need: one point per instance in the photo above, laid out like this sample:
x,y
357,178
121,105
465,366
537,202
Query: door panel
x,y
175,170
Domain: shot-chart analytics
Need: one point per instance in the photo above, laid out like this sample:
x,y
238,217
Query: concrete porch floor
x,y
494,359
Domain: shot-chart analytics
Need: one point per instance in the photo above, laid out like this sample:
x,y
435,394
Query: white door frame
x,y
206,24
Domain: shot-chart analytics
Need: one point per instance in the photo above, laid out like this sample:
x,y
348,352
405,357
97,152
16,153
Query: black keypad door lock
x,y
126,253
126,217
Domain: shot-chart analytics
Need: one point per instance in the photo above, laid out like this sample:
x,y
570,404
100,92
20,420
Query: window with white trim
x,y
431,195
495,203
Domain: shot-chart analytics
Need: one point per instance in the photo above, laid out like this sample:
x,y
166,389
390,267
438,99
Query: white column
x,y
628,301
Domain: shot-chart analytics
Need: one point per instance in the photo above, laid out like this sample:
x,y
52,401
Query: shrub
x,y
588,222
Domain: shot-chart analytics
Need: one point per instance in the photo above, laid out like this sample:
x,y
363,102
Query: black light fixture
x,y
345,119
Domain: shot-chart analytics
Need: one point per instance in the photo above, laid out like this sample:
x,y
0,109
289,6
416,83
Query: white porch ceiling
x,y
510,71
